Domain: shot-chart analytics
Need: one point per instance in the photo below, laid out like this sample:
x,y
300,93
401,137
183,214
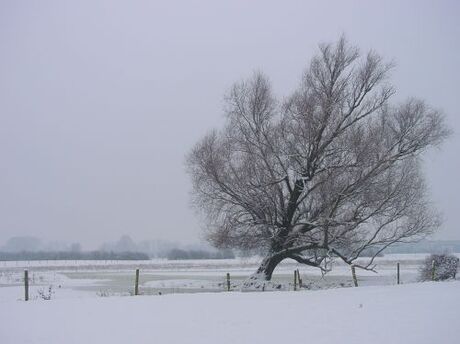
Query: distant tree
x,y
22,243
332,171
75,247
176,254
125,244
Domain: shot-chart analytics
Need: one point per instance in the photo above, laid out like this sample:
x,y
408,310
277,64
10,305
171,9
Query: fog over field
x,y
229,171
101,100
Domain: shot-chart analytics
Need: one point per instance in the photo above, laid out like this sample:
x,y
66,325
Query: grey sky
x,y
101,100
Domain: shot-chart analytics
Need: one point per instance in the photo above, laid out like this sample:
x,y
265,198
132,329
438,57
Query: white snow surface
x,y
112,278
410,314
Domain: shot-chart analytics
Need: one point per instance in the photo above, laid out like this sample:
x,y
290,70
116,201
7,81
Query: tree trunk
x,y
267,267
264,272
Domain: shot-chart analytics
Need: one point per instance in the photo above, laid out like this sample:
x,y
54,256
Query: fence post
x,y
432,270
136,283
295,280
456,268
300,280
26,285
353,274
228,281
397,273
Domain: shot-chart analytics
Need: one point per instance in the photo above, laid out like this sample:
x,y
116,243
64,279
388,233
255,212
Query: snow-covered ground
x,y
164,263
410,314
115,278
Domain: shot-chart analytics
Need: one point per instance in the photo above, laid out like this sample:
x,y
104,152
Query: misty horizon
x,y
101,101
124,243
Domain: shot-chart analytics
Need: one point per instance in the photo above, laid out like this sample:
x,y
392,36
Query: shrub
x,y
445,267
45,294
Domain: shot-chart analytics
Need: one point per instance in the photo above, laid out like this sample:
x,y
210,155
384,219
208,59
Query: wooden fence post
x,y
26,285
397,273
228,281
295,280
136,283
432,270
353,274
300,280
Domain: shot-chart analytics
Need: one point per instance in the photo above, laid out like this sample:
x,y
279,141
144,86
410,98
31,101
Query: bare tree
x,y
333,171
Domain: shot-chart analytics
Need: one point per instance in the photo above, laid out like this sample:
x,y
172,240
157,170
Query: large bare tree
x,y
332,171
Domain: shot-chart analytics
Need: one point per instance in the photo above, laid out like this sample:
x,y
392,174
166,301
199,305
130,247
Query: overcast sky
x,y
101,100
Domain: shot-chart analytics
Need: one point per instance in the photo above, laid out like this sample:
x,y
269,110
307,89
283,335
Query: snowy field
x,y
410,314
90,302
64,279
77,279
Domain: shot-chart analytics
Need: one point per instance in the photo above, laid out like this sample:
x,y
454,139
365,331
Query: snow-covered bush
x,y
45,293
445,267
104,293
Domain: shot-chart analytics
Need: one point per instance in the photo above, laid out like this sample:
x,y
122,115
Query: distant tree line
x,y
32,248
427,246
176,254
69,255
